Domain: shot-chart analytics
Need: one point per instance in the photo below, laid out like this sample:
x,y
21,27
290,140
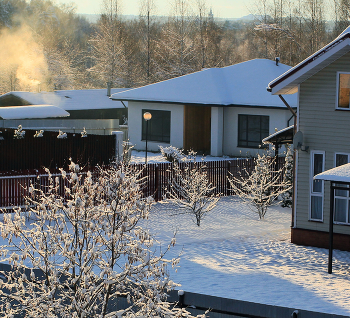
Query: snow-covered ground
x,y
235,255
139,157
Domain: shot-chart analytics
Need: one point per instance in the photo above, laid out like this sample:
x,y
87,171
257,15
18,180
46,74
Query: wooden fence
x,y
51,152
13,188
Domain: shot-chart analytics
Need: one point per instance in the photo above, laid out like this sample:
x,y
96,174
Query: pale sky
x,y
221,8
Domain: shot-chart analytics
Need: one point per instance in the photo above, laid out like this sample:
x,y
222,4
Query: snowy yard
x,y
234,255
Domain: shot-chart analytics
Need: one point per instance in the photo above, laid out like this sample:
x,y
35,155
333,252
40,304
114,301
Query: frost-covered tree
x,y
190,190
262,187
287,197
107,43
80,247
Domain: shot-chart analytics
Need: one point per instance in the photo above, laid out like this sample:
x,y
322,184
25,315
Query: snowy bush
x,y
19,133
287,196
61,135
85,240
262,187
172,154
190,190
39,134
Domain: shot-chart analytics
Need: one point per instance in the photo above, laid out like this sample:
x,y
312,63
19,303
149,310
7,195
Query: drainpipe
x,y
294,155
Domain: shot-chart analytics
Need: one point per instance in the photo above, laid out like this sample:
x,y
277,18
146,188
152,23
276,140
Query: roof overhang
x,y
30,112
283,136
288,82
199,104
338,174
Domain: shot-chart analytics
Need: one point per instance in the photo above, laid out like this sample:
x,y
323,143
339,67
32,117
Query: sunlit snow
x,y
235,255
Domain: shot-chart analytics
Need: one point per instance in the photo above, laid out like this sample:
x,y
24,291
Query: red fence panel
x,y
157,176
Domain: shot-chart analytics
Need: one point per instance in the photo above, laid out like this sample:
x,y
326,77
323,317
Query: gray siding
x,y
324,129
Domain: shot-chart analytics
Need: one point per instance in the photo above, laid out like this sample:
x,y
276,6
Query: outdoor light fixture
x,y
147,116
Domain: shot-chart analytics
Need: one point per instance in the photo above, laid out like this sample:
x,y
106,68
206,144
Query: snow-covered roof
x,y
88,99
284,135
242,84
37,111
288,82
338,174
71,99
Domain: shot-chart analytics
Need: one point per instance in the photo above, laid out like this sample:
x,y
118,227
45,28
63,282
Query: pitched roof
x,y
338,174
71,99
242,84
283,136
37,111
288,82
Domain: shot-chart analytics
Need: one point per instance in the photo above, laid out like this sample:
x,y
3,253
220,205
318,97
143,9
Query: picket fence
x,y
13,188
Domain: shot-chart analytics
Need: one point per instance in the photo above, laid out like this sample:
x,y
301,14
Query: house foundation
x,y
320,239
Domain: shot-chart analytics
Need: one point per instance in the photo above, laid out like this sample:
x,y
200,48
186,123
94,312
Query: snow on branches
x,y
190,189
262,187
80,247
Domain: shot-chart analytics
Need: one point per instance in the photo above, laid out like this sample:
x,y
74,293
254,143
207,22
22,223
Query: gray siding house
x,y
322,83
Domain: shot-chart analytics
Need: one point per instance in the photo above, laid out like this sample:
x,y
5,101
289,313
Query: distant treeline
x,y
44,46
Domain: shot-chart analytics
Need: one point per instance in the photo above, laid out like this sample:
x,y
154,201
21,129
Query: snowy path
x,y
234,255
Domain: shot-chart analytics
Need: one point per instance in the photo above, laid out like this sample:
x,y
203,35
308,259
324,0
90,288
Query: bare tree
x,y
190,190
109,57
262,187
76,252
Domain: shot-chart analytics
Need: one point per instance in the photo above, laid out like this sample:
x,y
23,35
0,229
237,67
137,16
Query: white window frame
x,y
347,222
317,194
337,93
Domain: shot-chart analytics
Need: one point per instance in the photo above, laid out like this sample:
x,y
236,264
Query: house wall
x,y
278,119
324,129
135,125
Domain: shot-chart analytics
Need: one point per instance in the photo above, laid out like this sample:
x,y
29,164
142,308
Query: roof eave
x,y
204,104
288,82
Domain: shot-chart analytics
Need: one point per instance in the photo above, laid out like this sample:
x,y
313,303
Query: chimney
x,y
277,59
109,85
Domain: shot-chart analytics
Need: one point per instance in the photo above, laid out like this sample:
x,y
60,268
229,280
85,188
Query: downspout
x,y
294,155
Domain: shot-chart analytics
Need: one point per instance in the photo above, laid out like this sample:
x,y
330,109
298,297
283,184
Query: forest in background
x,y
44,46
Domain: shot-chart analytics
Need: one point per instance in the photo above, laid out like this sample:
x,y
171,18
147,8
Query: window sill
x,y
339,223
346,109
317,221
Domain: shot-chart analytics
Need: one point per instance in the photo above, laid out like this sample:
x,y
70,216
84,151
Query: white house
x,y
89,108
221,111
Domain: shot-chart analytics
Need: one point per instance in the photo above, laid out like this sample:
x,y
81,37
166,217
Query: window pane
x,y
242,130
318,163
158,126
252,129
340,210
344,90
316,208
318,167
340,159
317,186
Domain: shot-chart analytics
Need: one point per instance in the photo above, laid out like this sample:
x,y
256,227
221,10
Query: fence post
x,y
118,145
156,182
227,176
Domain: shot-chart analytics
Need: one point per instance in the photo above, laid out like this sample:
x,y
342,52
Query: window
x,y
341,197
316,204
252,129
158,126
343,90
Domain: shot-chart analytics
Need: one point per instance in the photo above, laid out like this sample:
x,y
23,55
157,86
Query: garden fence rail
x,y
13,188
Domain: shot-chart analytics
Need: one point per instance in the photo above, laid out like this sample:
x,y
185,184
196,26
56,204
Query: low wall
x,y
219,307
231,308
